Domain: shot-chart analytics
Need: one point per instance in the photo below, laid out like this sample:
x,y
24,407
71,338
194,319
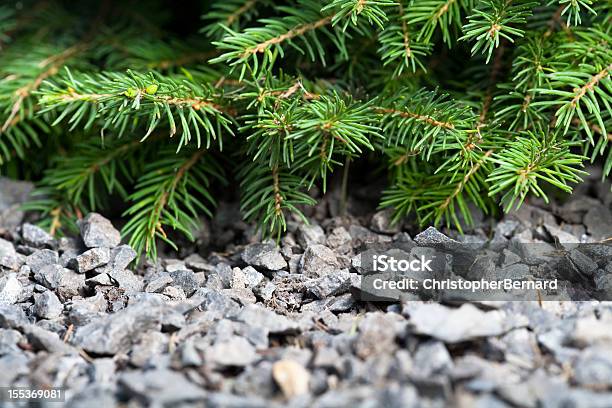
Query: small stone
x,y
12,317
127,280
214,301
339,240
462,324
48,306
91,259
381,222
593,368
265,256
119,259
115,332
42,339
252,277
43,257
71,284
598,221
174,293
162,388
433,237
292,378
432,358
235,351
49,276
10,289
186,280
151,344
98,232
591,331
36,237
318,260
310,234
258,316
8,256
159,283
331,284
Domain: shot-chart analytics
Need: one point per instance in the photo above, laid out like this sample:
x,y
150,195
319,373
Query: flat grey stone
x,y
8,256
119,259
98,232
462,324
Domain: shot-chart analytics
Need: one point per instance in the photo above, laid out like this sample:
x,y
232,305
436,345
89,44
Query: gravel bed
x,y
260,325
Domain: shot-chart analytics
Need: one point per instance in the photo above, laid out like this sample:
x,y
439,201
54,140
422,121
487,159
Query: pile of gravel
x,y
264,325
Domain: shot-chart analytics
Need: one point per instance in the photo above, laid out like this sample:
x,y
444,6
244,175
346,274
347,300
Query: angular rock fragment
x,y
318,260
36,237
91,259
98,232
266,255
48,306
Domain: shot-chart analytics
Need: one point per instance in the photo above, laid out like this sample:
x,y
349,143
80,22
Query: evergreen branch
x,y
269,194
172,192
232,14
496,19
49,67
122,101
398,47
574,8
351,10
531,158
434,14
269,40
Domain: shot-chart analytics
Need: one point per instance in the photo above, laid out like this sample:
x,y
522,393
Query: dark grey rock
x,y
116,332
318,260
43,257
185,280
47,305
98,232
265,256
82,311
91,259
36,237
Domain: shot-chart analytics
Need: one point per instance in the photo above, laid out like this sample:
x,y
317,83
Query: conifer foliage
x,y
463,103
